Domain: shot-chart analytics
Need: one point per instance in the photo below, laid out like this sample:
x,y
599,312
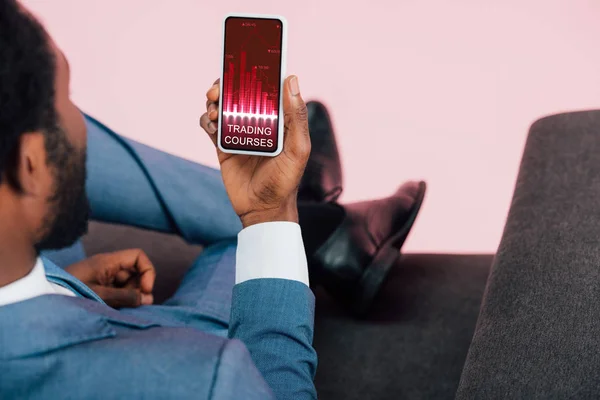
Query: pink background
x,y
443,91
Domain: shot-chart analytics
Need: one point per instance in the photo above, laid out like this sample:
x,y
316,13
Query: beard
x,y
69,210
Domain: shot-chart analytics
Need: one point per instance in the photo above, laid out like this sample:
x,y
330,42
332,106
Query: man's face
x,y
67,208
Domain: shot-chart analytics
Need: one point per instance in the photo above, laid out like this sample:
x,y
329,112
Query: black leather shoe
x,y
322,180
354,261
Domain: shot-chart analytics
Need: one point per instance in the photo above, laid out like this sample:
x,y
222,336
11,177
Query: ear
x,y
31,170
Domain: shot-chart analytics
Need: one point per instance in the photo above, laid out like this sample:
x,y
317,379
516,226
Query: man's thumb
x,y
297,140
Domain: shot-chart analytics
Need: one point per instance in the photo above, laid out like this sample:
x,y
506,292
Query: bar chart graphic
x,y
247,94
250,87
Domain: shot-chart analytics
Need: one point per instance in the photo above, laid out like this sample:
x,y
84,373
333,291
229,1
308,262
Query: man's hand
x,y
264,189
122,279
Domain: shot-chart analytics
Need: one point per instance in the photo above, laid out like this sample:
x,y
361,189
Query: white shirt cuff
x,y
271,250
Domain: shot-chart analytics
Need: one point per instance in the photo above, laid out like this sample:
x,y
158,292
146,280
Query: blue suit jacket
x,y
58,347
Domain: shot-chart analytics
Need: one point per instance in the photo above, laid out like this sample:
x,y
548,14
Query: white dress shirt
x,y
267,250
31,285
271,250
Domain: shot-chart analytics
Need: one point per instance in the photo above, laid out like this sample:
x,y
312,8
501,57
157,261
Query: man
x,y
236,328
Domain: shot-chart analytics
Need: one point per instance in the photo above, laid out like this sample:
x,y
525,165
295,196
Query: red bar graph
x,y
244,91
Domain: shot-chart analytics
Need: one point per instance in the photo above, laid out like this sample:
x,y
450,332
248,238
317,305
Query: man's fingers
x,y
123,277
213,93
134,261
208,120
123,297
297,138
145,270
206,124
209,127
212,111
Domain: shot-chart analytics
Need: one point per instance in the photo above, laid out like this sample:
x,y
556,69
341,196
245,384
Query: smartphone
x,y
252,74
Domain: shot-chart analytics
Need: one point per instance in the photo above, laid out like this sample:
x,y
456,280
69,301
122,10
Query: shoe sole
x,y
386,257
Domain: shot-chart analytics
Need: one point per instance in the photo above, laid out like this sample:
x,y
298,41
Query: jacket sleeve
x,y
236,376
274,318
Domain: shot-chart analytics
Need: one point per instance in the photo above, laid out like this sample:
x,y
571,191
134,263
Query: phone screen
x,y
251,84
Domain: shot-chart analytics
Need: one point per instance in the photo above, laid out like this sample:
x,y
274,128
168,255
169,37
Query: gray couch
x,y
412,346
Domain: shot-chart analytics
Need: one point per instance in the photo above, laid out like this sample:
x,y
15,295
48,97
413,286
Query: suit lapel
x,y
46,323
59,276
50,322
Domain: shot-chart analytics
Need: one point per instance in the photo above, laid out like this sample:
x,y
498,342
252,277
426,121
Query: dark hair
x,y
27,74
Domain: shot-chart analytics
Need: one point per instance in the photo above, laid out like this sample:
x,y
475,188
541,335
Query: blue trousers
x,y
133,184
